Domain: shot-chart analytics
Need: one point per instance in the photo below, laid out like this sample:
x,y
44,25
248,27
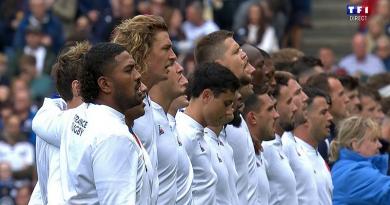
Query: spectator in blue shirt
x,y
359,172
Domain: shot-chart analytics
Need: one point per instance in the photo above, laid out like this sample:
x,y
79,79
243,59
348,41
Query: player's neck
x,y
75,102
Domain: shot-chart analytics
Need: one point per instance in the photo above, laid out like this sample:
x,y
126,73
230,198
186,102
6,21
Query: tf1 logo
x,y
357,13
357,10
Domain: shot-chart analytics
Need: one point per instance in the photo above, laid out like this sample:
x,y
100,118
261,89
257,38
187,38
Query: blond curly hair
x,y
137,34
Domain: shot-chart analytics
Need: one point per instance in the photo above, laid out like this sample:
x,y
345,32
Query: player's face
x,y
286,108
299,99
319,118
236,60
266,117
371,109
339,99
354,104
126,83
219,109
176,83
161,56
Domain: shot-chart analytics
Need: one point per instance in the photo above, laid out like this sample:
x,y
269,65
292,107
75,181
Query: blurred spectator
x,y
174,20
257,30
18,85
371,4
376,28
328,59
5,111
188,64
280,11
120,10
220,8
383,9
40,85
157,7
359,172
360,62
179,4
82,31
383,50
15,150
196,26
351,86
240,17
4,95
277,11
25,110
42,17
4,78
23,195
299,18
143,7
92,9
45,58
66,11
7,184
10,17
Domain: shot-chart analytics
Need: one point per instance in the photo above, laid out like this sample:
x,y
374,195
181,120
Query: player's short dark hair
x,y
99,60
213,76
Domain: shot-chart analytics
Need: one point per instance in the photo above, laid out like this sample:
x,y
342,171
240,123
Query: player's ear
x,y
105,84
75,88
206,95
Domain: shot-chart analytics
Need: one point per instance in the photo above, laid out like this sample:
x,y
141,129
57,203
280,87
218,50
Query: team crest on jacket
x,y
160,130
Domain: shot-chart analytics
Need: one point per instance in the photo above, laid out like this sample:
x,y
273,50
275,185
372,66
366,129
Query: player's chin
x,y
139,98
139,110
228,118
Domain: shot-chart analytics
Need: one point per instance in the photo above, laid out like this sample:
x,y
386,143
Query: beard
x,y
287,126
236,122
244,80
299,119
126,103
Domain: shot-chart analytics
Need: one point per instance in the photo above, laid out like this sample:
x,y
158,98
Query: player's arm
x,y
46,123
